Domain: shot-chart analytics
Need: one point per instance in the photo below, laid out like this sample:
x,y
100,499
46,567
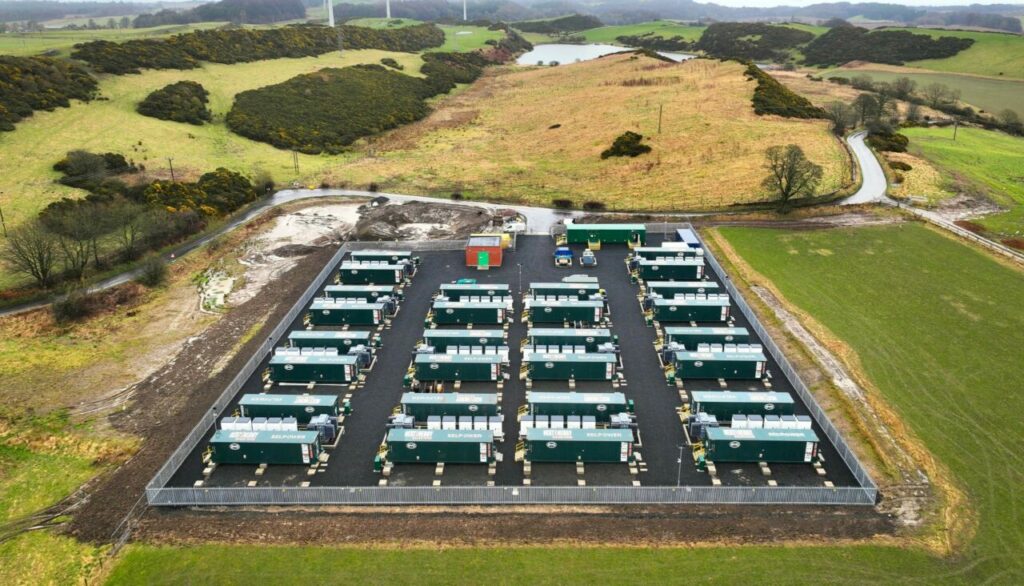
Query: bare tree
x,y
790,174
902,87
913,112
937,94
865,106
842,115
31,250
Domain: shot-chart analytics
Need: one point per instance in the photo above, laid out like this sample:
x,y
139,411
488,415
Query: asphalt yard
x,y
660,431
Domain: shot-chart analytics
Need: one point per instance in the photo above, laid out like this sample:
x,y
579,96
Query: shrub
x,y
28,84
1017,243
750,41
456,196
73,306
898,177
626,144
184,101
900,166
562,203
594,206
389,62
771,97
153,272
849,43
896,142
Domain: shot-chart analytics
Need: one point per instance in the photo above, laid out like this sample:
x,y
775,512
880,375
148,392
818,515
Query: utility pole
x,y
956,125
2,221
295,161
679,466
661,107
170,163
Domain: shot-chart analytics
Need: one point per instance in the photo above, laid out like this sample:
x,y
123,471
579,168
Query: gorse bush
x,y
626,144
244,45
565,24
28,84
389,62
184,101
771,97
900,166
849,43
153,272
749,41
655,42
891,142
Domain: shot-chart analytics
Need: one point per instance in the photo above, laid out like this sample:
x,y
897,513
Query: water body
x,y
563,53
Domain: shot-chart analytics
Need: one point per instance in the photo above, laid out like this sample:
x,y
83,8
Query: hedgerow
x,y
771,97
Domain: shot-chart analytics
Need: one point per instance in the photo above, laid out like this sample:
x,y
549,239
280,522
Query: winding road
x,y
538,220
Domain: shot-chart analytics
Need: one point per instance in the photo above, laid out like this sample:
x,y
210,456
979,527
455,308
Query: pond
x,y
564,53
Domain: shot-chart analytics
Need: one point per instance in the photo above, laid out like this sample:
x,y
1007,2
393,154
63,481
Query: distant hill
x,y
237,11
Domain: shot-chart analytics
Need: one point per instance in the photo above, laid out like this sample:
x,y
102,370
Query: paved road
x,y
874,184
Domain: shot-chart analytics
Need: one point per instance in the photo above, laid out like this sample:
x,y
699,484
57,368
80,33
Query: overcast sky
x,y
769,3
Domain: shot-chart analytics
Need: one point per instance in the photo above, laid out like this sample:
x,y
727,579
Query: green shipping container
x,y
579,445
465,312
725,404
390,256
429,446
778,446
327,313
579,291
265,447
441,339
600,405
355,274
323,369
690,337
716,365
423,405
588,366
606,233
301,407
656,252
459,291
367,293
672,288
591,338
461,367
700,309
542,311
680,269
340,340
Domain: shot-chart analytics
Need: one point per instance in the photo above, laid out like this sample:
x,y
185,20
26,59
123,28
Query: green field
x,y
938,327
993,54
662,28
992,161
61,41
456,37
986,93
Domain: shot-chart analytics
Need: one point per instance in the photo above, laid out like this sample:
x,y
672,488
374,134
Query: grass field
x,y
992,54
456,37
989,160
895,295
61,41
992,95
500,140
662,28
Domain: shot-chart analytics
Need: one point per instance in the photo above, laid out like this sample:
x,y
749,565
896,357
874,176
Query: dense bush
x,y
656,42
216,193
894,142
444,70
594,206
566,24
771,97
73,306
849,43
153,272
626,144
328,110
750,41
561,203
95,173
28,84
237,11
900,166
244,45
389,62
184,101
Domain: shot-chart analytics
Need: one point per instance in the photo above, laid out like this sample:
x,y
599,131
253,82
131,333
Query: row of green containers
x,y
440,340
265,447
700,308
572,289
748,365
334,369
460,291
465,312
457,367
590,338
690,337
589,366
587,311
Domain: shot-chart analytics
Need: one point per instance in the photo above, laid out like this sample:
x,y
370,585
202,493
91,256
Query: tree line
x,y
28,84
750,41
234,11
772,97
120,219
185,51
845,43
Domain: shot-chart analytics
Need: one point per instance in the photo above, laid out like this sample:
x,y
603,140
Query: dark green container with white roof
x,y
460,291
579,445
423,405
300,448
573,311
599,405
680,269
725,404
336,369
590,338
714,308
301,407
332,339
673,288
577,290
429,446
691,337
565,366
457,367
328,313
351,273
716,365
442,339
774,446
466,312
367,293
